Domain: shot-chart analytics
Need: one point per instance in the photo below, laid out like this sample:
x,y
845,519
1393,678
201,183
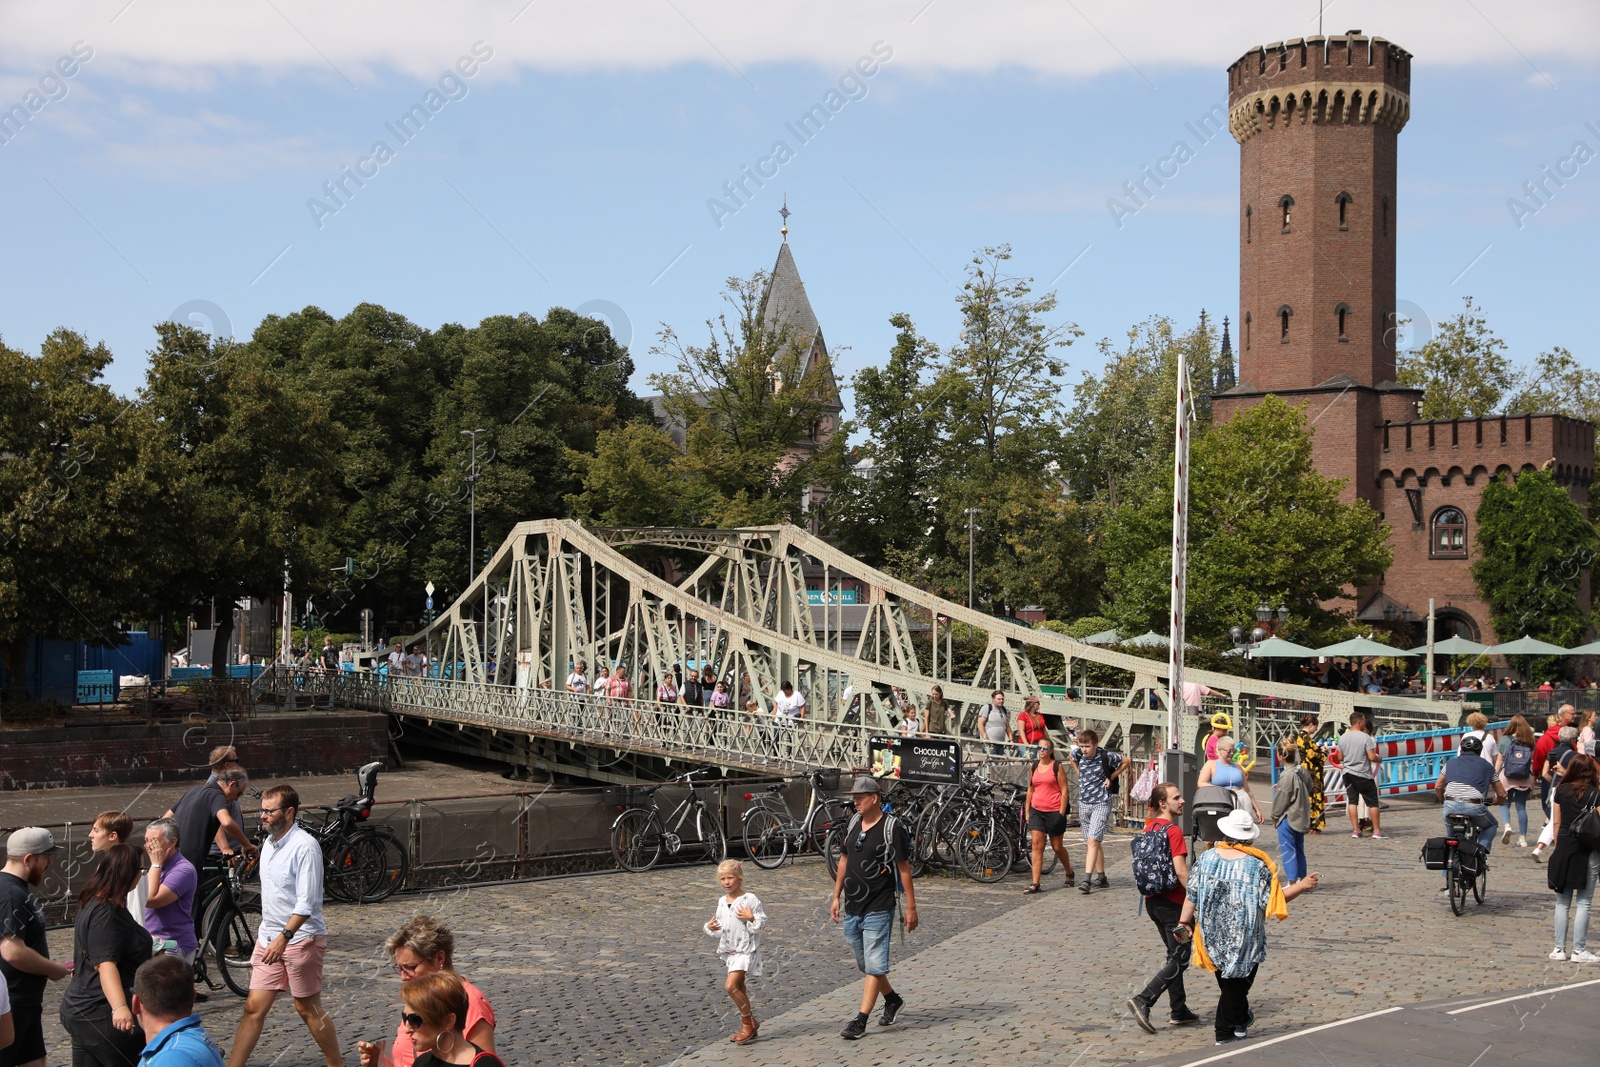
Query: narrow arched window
x,y
1344,201
1247,331
1386,216
1284,206
1247,224
1448,534
1342,317
1284,314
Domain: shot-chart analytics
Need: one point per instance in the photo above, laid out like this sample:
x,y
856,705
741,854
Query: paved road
x,y
612,969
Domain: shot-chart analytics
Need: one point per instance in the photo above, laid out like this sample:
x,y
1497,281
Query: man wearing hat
x,y
1231,891
877,851
24,953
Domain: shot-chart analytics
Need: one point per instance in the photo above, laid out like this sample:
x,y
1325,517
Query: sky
x,y
216,163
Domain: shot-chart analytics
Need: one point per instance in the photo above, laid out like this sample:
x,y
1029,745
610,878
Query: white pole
x,y
288,612
1180,548
1430,648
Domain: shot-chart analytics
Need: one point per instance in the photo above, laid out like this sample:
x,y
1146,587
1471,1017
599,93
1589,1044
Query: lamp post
x,y
971,514
472,505
1268,623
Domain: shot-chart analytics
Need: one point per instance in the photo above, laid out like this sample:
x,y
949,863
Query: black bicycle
x,y
363,862
771,834
227,934
640,836
1469,867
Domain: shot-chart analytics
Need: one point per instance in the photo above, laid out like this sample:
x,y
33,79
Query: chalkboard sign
x,y
916,759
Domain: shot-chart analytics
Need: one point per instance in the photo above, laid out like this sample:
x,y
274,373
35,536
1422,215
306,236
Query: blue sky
x,y
173,172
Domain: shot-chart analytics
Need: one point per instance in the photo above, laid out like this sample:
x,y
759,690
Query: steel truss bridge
x,y
557,592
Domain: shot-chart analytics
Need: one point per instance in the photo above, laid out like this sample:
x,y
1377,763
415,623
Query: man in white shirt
x,y
578,680
397,662
293,939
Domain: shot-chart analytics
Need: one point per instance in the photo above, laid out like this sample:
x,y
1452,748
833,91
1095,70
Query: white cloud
x,y
184,42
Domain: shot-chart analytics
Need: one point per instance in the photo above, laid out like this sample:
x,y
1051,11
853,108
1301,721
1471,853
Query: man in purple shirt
x,y
171,883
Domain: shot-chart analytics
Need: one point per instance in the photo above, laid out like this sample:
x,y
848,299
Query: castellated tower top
x,y
1319,80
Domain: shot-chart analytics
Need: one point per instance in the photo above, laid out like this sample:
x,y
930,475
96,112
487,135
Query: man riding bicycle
x,y
1464,784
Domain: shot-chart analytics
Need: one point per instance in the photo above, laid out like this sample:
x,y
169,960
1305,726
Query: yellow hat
x,y
1221,721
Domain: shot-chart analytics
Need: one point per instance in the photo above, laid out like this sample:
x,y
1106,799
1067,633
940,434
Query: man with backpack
x,y
1097,772
877,856
1161,874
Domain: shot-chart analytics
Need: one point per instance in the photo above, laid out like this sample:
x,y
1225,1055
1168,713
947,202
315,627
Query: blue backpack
x,y
1153,872
1519,761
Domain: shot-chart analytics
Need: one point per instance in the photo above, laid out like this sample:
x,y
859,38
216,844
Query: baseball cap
x,y
30,841
1238,825
866,784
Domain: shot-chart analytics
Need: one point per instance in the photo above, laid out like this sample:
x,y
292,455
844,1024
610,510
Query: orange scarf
x,y
1277,906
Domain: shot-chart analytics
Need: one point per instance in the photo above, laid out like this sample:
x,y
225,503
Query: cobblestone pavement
x,y
613,969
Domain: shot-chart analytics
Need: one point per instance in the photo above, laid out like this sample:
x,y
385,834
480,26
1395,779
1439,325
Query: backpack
x,y
1519,761
891,830
1113,786
1153,871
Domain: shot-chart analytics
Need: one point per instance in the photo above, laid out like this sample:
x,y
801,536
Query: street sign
x,y
428,589
429,604
915,759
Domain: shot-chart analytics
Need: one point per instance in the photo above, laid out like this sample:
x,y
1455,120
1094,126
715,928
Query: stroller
x,y
1210,803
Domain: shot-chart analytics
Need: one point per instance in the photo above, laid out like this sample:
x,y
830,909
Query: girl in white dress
x,y
737,927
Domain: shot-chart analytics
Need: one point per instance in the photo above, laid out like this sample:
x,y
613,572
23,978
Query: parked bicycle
x,y
640,836
227,934
364,862
771,834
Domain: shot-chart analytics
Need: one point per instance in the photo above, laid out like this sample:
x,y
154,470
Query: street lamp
x,y
971,514
472,505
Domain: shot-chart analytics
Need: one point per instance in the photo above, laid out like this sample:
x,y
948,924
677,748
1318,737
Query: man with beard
x,y
24,953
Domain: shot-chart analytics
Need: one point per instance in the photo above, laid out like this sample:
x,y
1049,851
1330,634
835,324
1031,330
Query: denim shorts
x,y
868,936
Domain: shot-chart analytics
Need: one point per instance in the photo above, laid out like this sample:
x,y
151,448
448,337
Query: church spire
x,y
784,211
1225,379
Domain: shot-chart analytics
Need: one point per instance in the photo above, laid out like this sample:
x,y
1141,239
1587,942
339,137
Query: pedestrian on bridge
x,y
994,725
578,680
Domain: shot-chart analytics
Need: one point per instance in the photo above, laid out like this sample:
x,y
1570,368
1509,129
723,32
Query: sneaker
x,y
1538,853
1379,837
1141,1015
1249,1020
1522,842
892,1003
1505,838
1558,954
1184,1018
1240,1033
1585,957
1229,1039
855,1029
1357,834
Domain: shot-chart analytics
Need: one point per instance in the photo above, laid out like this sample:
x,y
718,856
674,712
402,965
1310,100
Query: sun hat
x,y
866,784
30,841
1239,826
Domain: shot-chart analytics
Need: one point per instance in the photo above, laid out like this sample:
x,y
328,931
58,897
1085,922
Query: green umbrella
x,y
1361,648
1151,639
1278,648
1591,649
1527,646
1104,637
1451,646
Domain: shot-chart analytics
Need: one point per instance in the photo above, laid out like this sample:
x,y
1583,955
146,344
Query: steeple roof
x,y
785,303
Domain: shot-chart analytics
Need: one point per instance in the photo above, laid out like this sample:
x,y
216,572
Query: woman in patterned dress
x,y
1312,758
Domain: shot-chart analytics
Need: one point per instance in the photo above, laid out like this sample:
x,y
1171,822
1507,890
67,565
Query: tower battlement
x,y
1319,80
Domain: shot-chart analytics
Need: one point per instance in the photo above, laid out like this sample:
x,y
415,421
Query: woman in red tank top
x,y
1046,806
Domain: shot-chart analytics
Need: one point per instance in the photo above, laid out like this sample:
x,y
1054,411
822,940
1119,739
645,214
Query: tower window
x,y
1448,534
1247,224
1386,216
1284,314
1247,331
1284,206
1342,315
1343,200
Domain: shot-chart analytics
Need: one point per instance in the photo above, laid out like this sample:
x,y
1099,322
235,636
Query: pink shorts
x,y
299,970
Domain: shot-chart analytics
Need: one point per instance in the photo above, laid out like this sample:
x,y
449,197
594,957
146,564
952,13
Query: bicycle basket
x,y
828,778
1434,852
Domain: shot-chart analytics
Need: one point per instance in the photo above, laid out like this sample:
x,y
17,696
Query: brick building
x,y
1318,122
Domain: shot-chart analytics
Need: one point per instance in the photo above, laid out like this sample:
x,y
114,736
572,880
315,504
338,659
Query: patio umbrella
x,y
1527,646
1151,639
1361,648
1591,649
1453,646
1278,648
1104,637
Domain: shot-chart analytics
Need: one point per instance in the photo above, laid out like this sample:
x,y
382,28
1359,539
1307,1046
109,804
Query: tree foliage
x,y
1263,526
1463,370
1536,550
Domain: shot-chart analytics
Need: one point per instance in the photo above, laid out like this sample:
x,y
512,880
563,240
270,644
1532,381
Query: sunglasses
x,y
861,839
412,1019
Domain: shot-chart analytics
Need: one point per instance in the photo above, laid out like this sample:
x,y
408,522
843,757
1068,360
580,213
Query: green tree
x,y
1463,370
255,461
87,523
1536,550
1263,526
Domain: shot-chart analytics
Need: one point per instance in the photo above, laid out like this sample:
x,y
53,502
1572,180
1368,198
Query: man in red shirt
x,y
1567,716
1166,807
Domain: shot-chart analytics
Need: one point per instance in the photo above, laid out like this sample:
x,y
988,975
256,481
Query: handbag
x,y
1586,827
1148,780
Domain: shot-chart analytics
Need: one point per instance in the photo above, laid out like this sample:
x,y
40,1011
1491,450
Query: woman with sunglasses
x,y
434,1007
423,947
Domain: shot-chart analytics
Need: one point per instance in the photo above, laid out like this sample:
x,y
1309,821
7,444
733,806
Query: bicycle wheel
x,y
229,945
1480,884
396,866
714,841
353,867
983,850
766,840
1458,885
833,849
635,841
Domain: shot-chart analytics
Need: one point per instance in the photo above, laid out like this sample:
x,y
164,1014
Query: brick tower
x,y
1318,122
